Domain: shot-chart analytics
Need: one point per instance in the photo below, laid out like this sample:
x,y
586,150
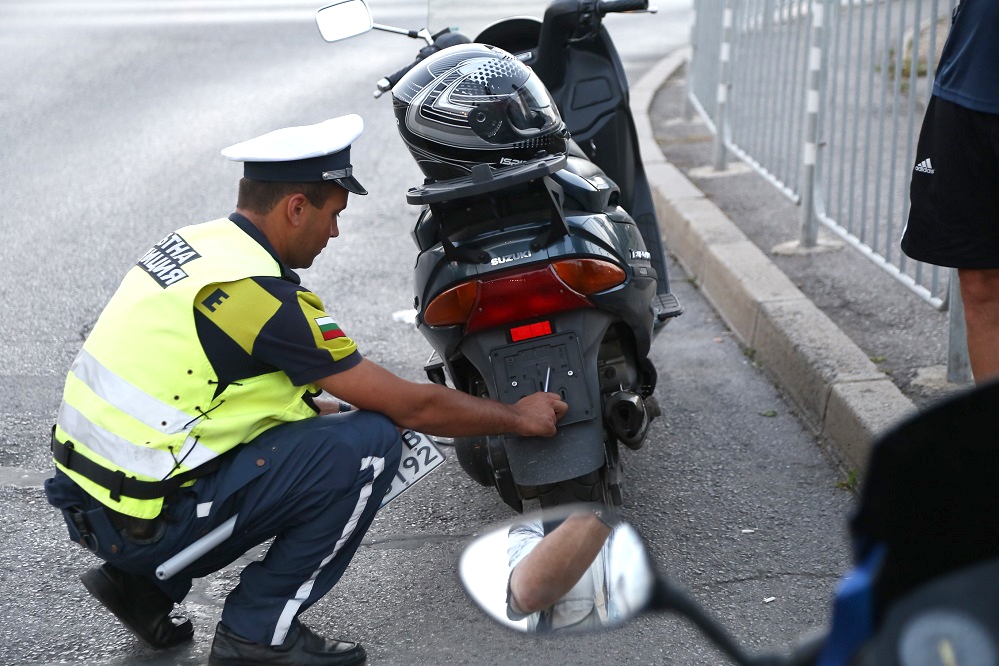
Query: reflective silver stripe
x,y
133,458
291,607
120,394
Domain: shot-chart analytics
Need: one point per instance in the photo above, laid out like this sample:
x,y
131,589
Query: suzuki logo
x,y
510,257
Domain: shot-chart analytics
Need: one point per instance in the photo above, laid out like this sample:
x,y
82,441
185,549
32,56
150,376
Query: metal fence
x,y
825,99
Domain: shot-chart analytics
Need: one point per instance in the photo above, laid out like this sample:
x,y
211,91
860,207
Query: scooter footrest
x,y
434,368
666,306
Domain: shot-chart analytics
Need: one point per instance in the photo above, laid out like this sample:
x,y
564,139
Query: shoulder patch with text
x,y
163,262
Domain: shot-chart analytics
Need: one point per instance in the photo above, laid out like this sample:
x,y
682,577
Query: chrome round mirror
x,y
343,19
574,569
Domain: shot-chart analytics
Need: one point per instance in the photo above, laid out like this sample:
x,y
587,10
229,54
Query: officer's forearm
x,y
438,410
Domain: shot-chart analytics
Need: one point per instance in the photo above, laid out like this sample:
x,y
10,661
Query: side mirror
x,y
579,568
564,570
343,19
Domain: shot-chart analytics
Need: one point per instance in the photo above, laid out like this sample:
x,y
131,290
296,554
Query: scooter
x,y
923,588
546,273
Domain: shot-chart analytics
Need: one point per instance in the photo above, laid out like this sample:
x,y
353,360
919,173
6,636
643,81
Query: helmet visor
x,y
530,110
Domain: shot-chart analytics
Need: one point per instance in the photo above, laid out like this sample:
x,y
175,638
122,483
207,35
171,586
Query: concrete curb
x,y
840,392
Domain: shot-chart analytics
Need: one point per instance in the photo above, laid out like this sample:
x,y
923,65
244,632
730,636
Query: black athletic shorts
x,y
954,217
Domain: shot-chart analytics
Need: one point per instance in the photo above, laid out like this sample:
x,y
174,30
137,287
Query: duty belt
x,y
116,482
137,530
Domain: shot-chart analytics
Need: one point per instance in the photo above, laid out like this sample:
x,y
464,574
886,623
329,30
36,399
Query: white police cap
x,y
305,154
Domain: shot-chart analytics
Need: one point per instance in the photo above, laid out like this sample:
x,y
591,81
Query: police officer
x,y
211,387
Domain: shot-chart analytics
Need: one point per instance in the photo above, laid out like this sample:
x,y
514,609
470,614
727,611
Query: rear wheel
x,y
473,452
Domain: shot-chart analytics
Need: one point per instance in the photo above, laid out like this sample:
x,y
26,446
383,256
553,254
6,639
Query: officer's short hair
x,y
260,196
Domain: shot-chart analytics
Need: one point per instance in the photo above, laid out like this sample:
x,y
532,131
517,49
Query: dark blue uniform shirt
x,y
290,340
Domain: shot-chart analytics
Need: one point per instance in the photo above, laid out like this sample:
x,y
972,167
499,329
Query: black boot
x,y
141,606
301,648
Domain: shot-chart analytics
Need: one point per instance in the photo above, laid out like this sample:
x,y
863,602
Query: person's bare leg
x,y
980,293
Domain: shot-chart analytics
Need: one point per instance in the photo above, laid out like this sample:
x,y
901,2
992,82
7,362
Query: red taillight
x,y
528,331
520,296
511,297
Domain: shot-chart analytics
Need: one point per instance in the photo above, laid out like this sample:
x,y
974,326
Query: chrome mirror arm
x,y
422,33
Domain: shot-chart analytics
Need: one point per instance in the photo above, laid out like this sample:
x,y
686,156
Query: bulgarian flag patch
x,y
328,328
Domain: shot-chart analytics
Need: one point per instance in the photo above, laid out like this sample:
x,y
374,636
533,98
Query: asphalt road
x,y
112,115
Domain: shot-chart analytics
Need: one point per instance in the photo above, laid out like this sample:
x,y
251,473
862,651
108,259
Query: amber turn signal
x,y
453,306
589,276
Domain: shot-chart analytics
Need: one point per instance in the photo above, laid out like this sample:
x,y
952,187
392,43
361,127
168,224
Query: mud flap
x,y
576,449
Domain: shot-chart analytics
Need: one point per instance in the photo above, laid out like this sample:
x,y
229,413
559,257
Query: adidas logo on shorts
x,y
925,166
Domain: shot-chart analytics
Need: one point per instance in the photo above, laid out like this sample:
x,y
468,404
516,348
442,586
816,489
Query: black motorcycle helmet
x,y
475,104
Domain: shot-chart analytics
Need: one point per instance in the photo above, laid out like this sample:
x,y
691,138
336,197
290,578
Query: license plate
x,y
420,456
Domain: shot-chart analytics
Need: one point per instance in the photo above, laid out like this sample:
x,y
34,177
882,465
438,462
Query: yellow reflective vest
x,y
140,396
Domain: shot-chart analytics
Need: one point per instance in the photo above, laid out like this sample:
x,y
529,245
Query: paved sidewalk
x,y
853,348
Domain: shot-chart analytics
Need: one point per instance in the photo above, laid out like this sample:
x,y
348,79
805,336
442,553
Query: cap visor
x,y
351,185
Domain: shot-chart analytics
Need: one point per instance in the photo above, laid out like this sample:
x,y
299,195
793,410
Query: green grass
x,y
850,482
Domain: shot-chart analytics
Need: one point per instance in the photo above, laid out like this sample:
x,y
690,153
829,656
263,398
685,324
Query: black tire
x,y
472,454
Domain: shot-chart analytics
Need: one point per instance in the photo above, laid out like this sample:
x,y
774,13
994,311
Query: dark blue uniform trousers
x,y
313,485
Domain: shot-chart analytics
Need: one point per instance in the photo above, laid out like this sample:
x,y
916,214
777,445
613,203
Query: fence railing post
x,y
809,219
688,106
958,364
724,83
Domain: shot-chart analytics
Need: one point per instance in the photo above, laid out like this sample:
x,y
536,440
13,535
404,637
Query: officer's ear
x,y
294,206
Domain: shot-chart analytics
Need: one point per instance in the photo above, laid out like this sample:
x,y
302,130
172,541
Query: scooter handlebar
x,y
387,83
442,40
611,6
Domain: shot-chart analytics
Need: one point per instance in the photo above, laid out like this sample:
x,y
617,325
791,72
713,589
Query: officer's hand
x,y
539,413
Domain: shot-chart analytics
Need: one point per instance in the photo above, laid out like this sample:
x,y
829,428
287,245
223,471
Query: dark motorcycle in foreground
x,y
540,262
924,590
